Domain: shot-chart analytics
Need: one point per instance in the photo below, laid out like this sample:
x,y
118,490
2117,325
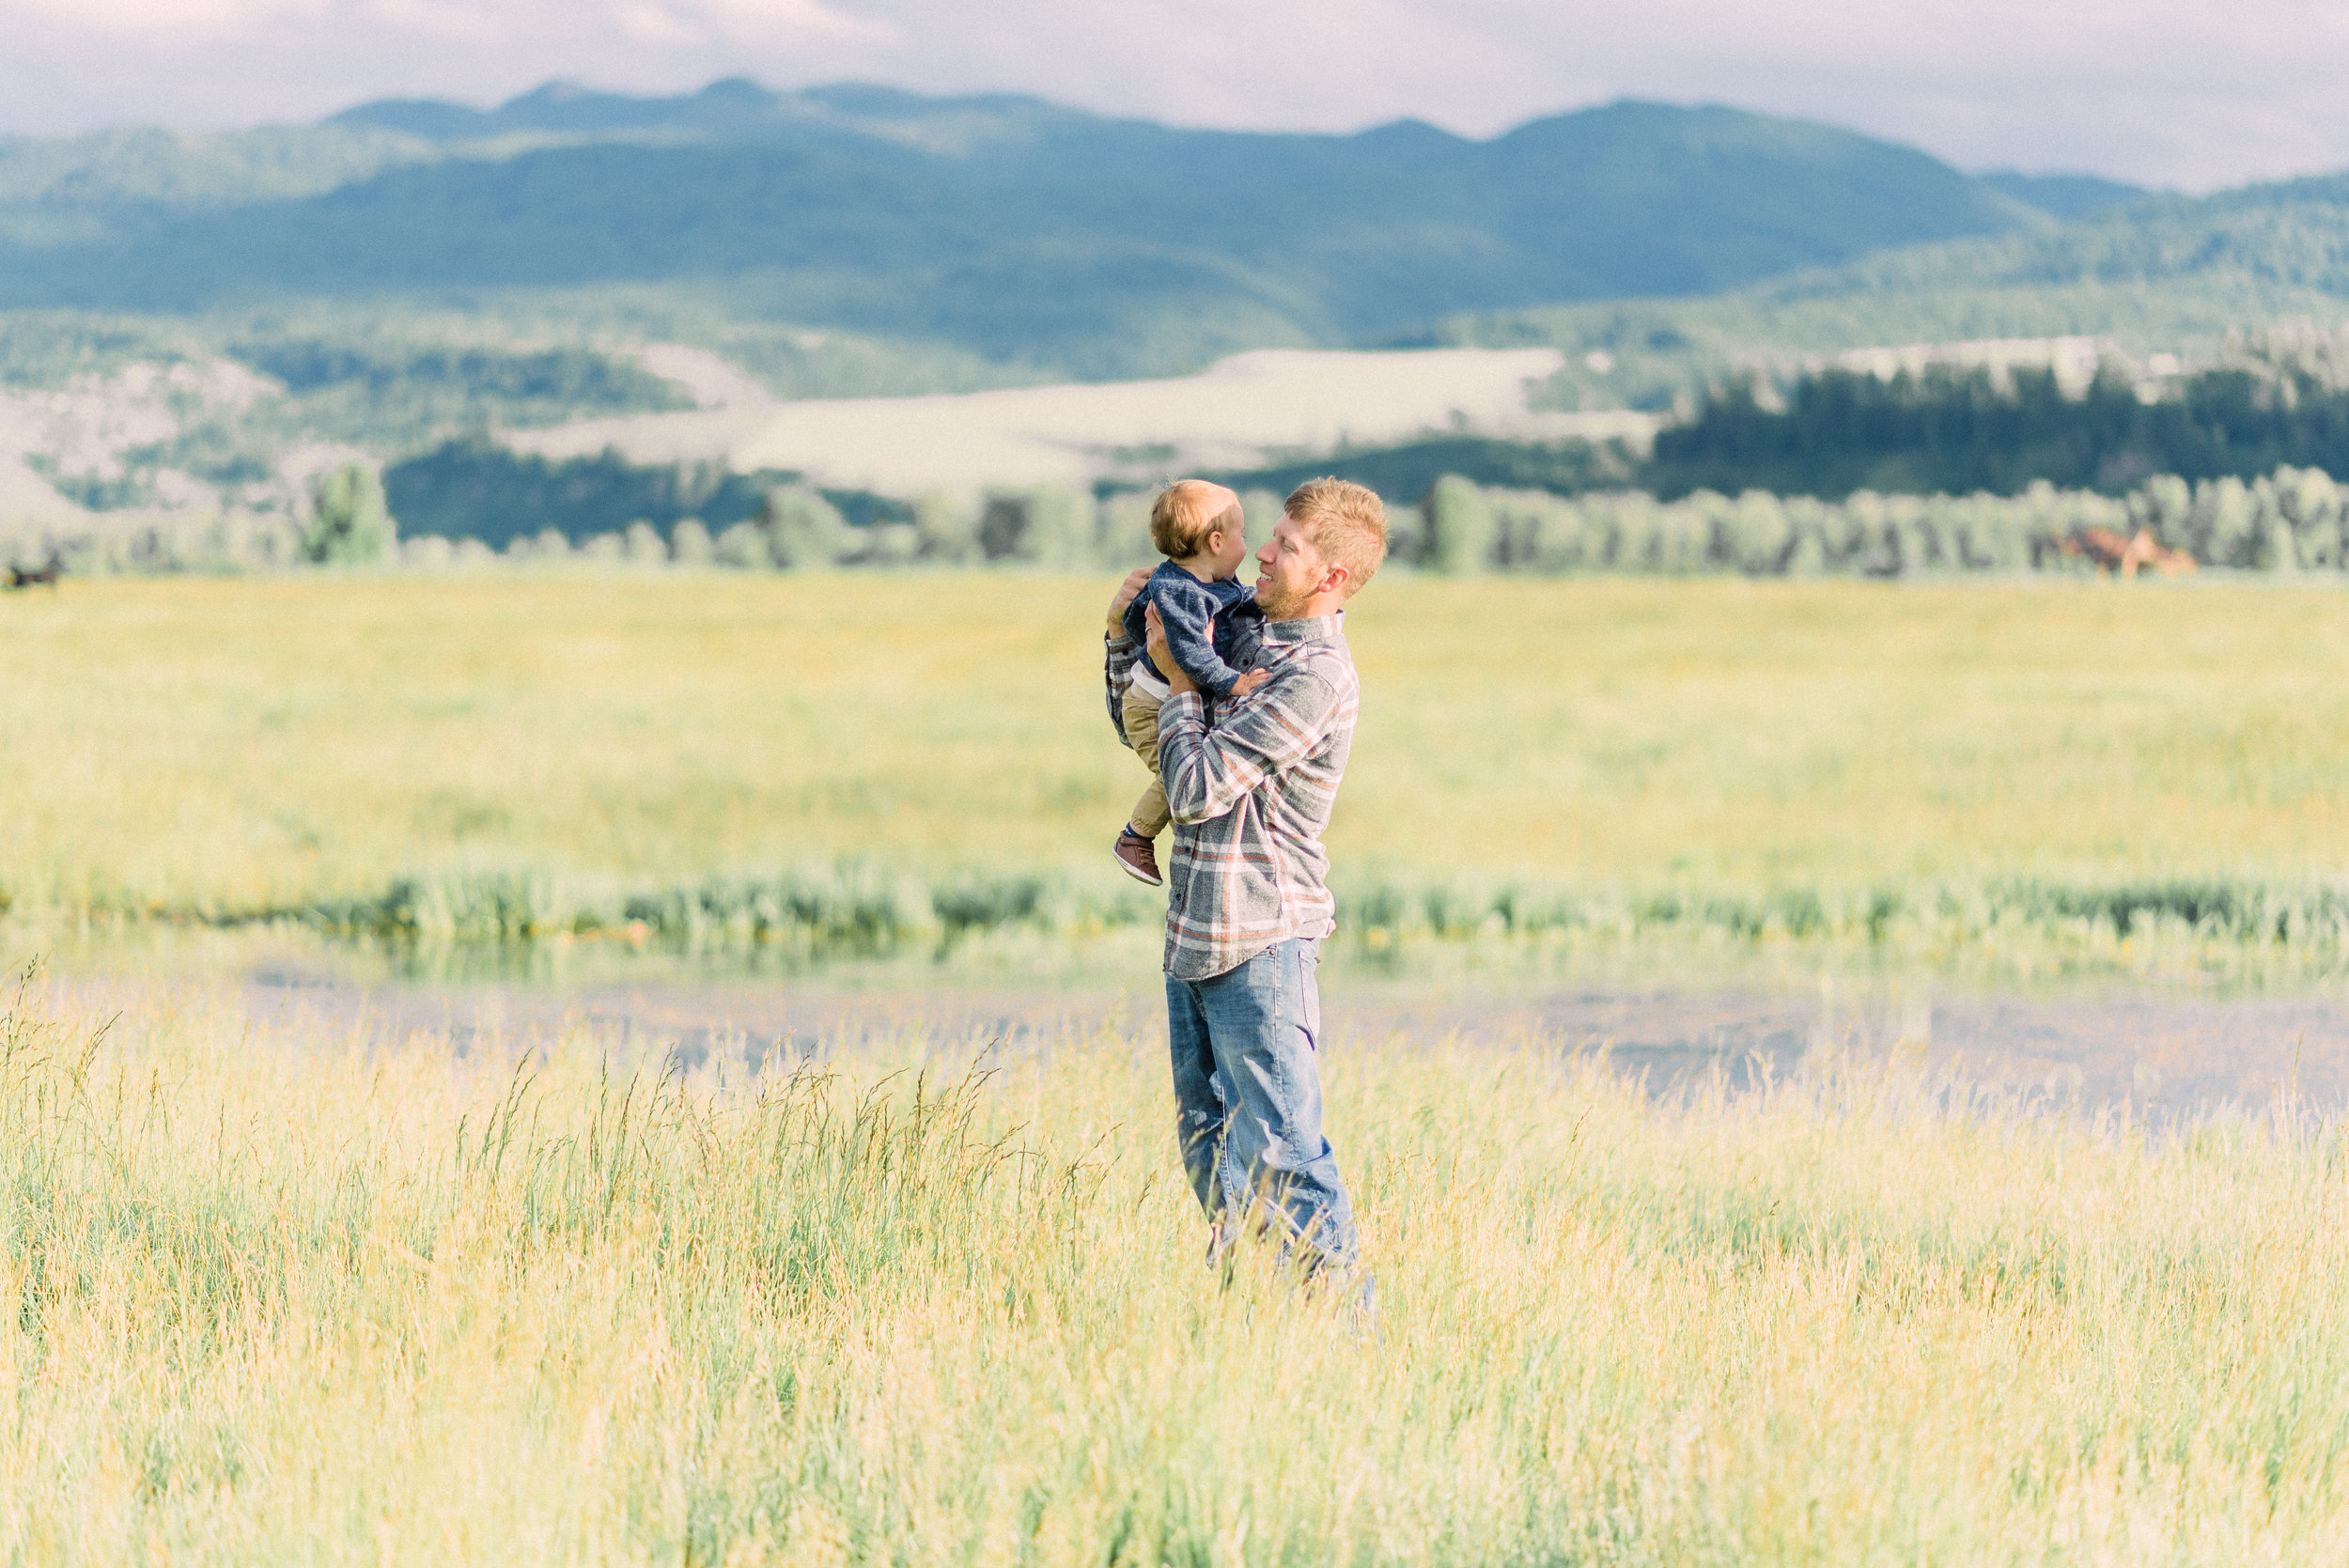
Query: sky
x,y
2188,93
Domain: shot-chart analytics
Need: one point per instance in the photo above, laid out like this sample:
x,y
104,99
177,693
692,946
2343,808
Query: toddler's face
x,y
1231,540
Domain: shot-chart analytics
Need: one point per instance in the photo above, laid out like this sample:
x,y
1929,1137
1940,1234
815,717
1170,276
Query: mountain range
x,y
1006,227
187,319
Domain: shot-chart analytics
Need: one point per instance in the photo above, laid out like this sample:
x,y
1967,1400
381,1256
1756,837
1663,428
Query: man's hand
x,y
1249,682
1125,592
1162,656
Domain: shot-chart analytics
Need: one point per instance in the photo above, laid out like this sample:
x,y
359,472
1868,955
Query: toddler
x,y
1213,631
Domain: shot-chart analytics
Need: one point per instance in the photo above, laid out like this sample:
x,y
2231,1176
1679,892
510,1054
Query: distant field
x,y
236,746
1238,413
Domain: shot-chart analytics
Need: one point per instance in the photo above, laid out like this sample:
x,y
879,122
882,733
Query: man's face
x,y
1289,571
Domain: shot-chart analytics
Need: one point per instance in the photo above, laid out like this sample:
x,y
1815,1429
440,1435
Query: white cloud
x,y
659,25
2187,92
139,21
793,21
454,20
695,24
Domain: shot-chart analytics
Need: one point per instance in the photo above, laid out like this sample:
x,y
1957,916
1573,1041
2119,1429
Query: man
x,y
1250,789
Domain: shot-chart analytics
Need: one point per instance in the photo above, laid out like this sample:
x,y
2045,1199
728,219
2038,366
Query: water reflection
x,y
2158,1051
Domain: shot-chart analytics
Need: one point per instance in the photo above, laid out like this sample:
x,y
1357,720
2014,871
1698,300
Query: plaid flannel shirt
x,y
1251,794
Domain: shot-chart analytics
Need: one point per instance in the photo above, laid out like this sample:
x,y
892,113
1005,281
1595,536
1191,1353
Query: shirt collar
x,y
1313,629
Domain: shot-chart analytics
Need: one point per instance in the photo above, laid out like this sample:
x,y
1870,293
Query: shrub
x,y
803,530
642,545
946,527
350,525
1462,530
689,543
745,548
429,552
1124,534
1044,525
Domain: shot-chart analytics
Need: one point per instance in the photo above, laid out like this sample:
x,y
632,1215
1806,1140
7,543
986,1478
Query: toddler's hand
x,y
1249,682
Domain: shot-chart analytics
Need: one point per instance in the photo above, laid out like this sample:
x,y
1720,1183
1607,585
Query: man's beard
x,y
1278,606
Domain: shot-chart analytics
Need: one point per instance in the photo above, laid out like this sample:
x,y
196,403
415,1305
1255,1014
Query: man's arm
x,y
1118,650
1208,772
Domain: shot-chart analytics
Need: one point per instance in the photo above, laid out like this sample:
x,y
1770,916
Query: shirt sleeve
x,y
1117,664
1208,771
1188,617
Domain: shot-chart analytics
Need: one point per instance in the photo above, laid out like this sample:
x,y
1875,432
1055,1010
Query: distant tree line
x,y
1943,472
475,488
344,523
1954,431
2293,520
1833,434
577,380
791,526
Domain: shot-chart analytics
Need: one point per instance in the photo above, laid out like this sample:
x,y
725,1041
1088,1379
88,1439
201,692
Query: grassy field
x,y
274,1300
226,747
285,1292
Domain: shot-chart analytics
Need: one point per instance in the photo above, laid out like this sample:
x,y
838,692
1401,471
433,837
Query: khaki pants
x,y
1140,708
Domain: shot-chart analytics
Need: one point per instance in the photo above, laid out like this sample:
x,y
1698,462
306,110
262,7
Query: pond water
x,y
2160,1054
2159,1051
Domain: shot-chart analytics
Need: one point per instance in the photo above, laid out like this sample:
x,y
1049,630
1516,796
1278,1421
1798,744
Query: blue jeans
x,y
1248,1100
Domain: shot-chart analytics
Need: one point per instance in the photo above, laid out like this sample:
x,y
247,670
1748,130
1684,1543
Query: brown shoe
x,y
1138,857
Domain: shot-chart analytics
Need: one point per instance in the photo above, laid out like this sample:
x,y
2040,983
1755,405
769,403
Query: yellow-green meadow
x,y
294,1283
233,747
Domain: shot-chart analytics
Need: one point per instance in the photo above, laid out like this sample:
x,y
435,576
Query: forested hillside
x,y
2064,196
198,322
1008,226
2151,273
1952,433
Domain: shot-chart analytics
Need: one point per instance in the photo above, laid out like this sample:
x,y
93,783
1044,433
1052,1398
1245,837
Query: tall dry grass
x,y
280,1299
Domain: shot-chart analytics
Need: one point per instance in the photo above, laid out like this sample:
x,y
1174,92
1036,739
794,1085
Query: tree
x,y
1755,534
947,526
1059,528
802,529
2224,525
642,544
1044,525
689,543
744,546
1125,539
2312,503
350,525
1461,529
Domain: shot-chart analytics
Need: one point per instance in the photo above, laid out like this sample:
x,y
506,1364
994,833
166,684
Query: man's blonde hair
x,y
1346,522
1184,513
